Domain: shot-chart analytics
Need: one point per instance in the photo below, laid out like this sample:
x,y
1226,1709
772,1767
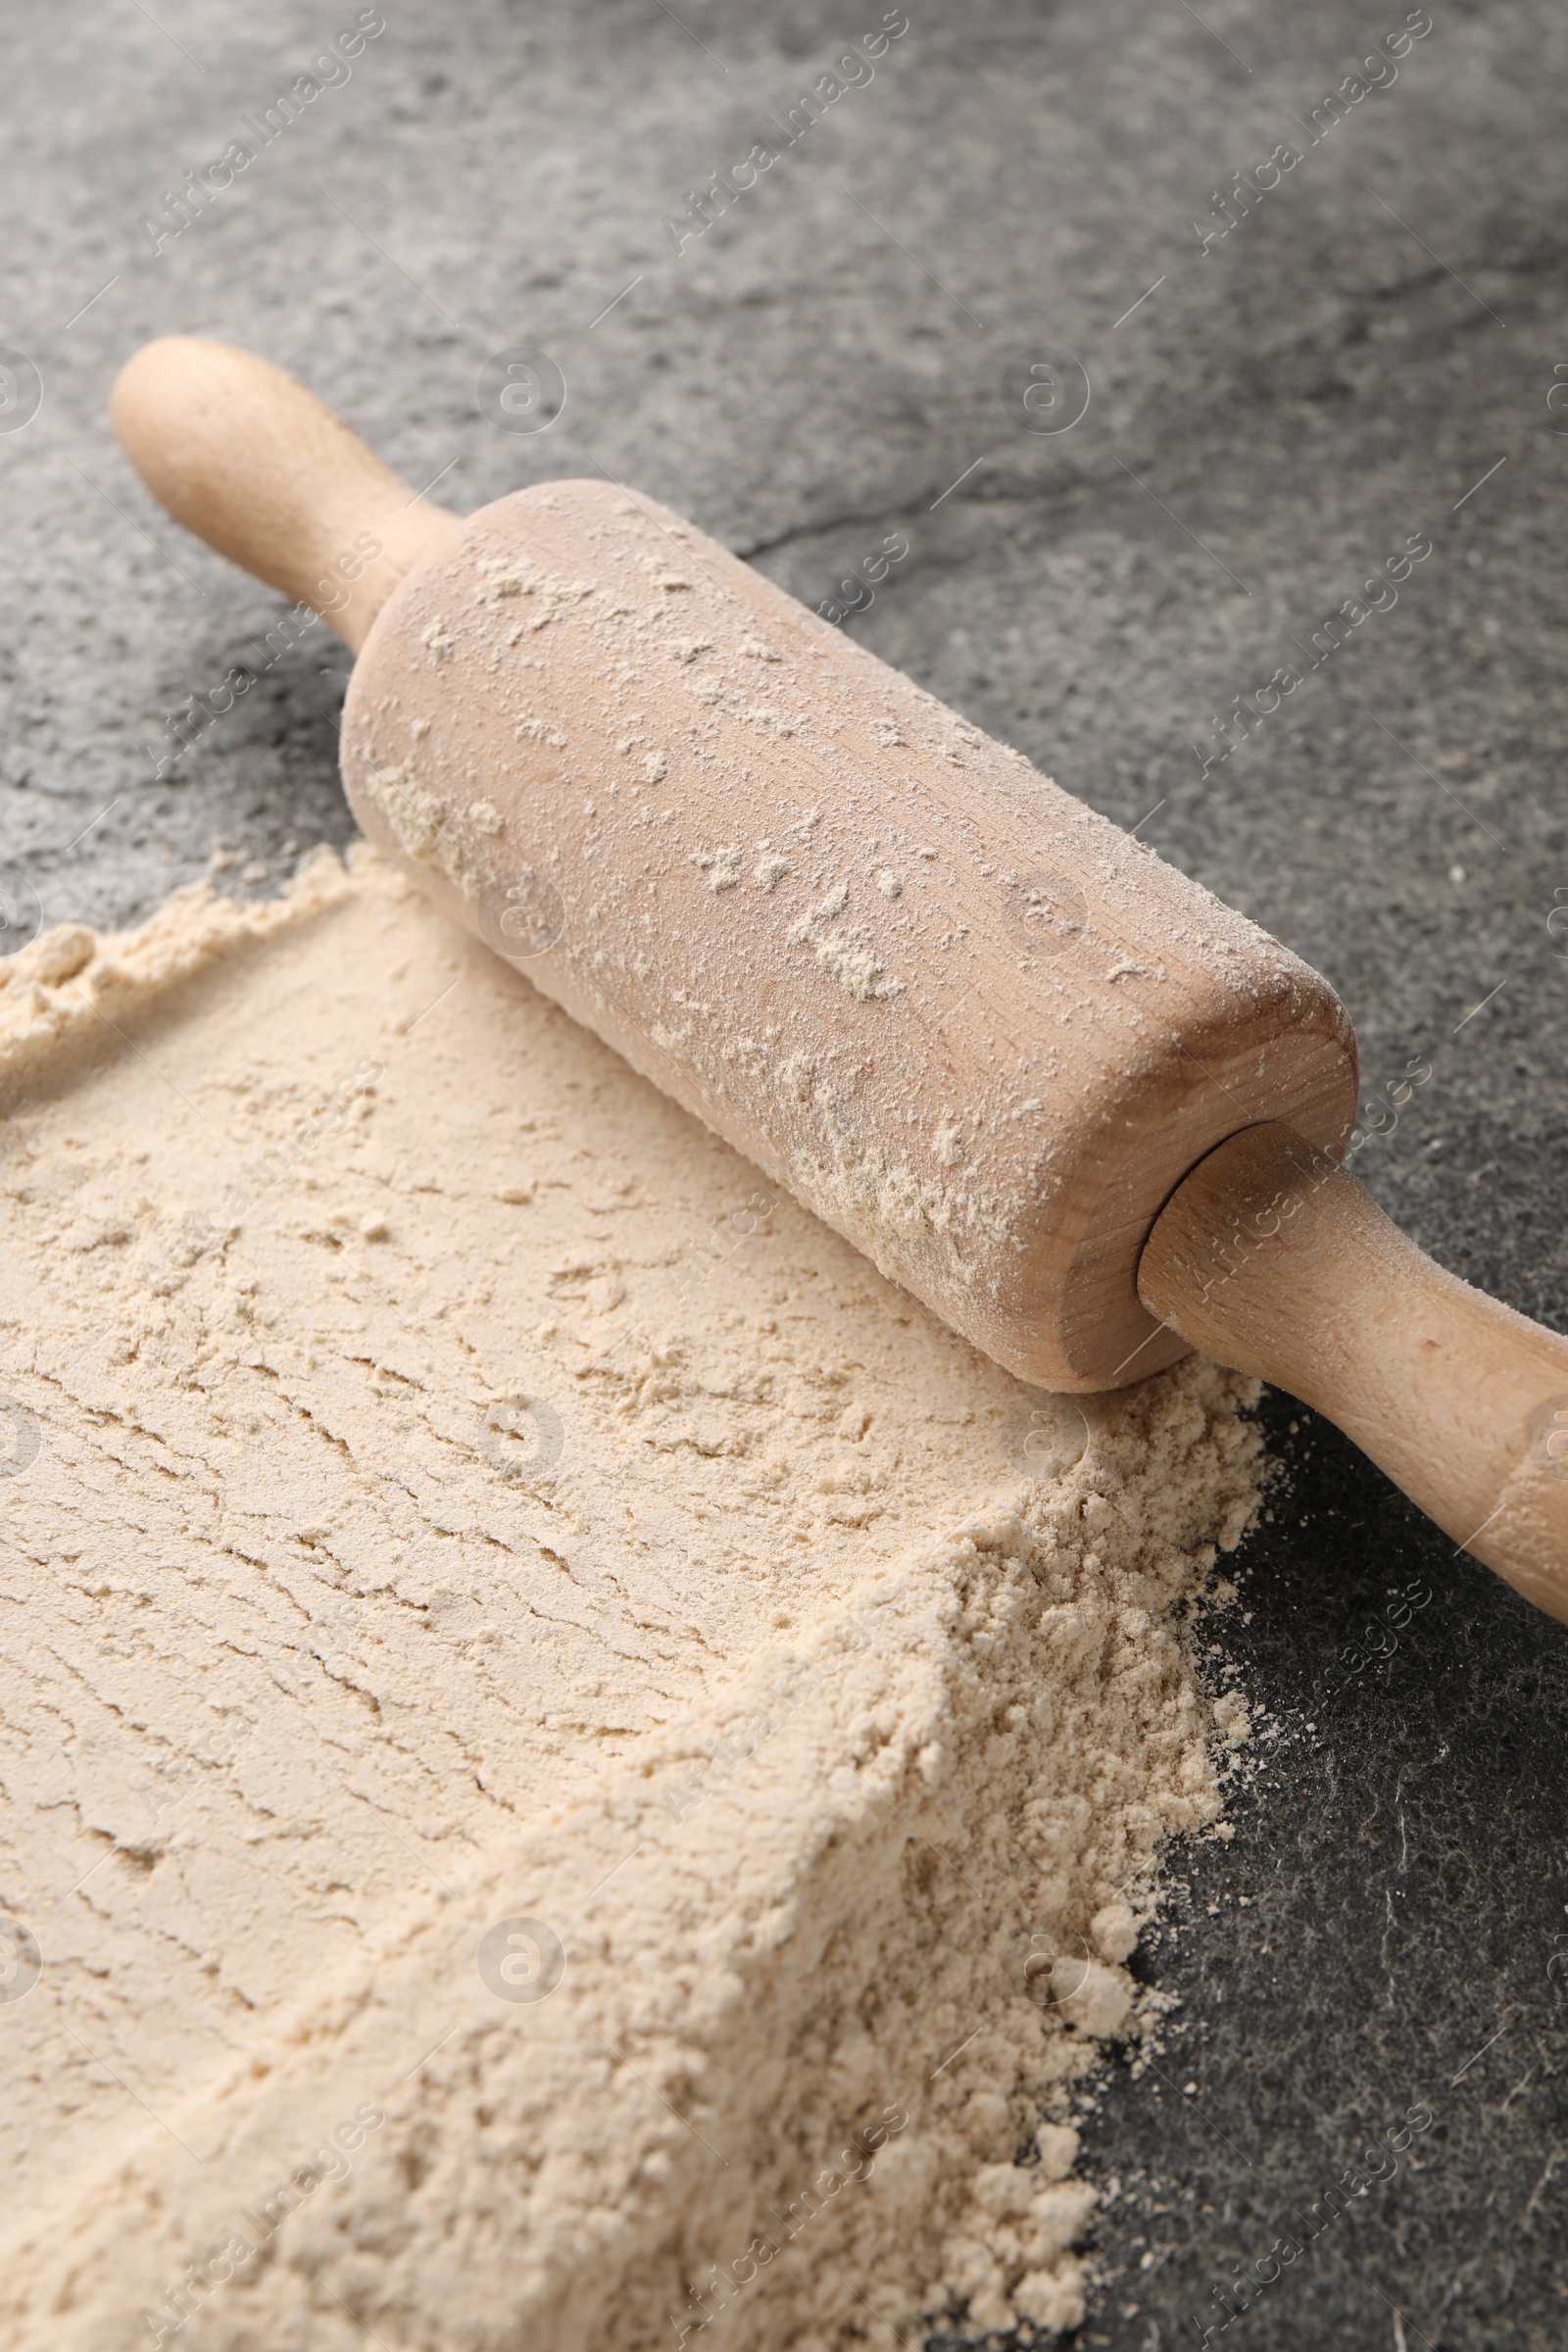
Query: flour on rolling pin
x,y
969,1023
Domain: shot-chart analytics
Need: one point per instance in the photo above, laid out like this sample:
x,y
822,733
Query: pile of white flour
x,y
567,1779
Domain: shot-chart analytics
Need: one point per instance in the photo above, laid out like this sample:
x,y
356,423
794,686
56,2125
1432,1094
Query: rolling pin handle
x,y
1271,1258
251,461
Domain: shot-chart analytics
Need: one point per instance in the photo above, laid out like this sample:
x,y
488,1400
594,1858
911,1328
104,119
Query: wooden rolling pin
x,y
1084,1111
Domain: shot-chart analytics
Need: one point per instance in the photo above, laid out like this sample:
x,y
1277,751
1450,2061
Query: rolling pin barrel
x,y
966,1021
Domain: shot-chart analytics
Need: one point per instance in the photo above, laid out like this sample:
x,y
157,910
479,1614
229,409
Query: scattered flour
x,y
852,964
467,1495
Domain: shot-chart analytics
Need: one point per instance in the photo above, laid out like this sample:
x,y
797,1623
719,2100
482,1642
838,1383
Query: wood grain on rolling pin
x,y
970,1023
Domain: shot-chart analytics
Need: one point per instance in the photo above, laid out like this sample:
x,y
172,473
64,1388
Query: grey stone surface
x,y
1369,354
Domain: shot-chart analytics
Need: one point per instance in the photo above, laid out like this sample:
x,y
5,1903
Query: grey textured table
x,y
1365,358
